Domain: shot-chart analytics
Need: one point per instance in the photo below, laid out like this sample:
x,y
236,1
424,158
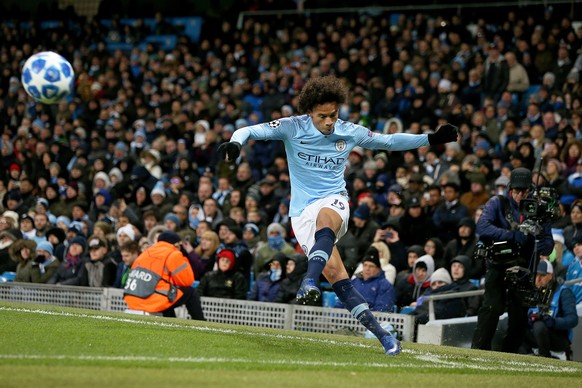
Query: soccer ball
x,y
47,77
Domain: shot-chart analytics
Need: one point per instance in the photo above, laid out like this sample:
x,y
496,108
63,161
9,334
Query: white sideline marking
x,y
428,359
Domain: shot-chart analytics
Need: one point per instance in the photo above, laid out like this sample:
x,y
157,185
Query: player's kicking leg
x,y
355,303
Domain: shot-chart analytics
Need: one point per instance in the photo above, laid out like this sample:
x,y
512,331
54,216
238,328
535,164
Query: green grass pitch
x,y
48,346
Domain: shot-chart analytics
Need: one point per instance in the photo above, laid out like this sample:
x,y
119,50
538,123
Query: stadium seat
x,y
7,277
163,42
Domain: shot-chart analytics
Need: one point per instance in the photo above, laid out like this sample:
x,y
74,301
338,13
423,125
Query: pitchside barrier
x,y
231,311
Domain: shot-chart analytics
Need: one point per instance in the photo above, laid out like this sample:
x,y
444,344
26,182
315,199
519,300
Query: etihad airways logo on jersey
x,y
325,162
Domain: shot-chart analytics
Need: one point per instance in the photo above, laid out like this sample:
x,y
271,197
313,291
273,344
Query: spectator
x,y
275,243
551,330
435,249
574,230
448,214
71,270
460,268
8,238
225,281
416,284
575,268
40,267
251,235
416,226
440,283
203,257
364,228
495,73
384,256
412,253
23,253
129,253
161,279
268,283
230,236
294,272
477,195
464,245
100,269
373,285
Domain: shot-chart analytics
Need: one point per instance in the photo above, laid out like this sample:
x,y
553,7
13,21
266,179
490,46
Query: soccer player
x,y
317,144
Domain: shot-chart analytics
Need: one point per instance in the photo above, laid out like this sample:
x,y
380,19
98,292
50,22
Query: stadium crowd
x,y
134,152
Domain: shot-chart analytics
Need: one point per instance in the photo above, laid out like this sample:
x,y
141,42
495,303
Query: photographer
x,y
501,229
551,328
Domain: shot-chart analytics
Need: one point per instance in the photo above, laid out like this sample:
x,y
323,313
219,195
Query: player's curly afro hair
x,y
321,90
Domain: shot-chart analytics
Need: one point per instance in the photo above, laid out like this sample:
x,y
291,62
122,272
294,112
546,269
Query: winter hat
x,y
158,189
78,240
57,232
229,254
467,221
441,275
64,219
169,237
502,181
45,246
252,227
419,250
362,212
558,238
116,172
275,227
13,234
12,215
372,255
172,217
128,230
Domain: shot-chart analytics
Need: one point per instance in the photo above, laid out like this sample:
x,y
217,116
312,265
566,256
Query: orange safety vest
x,y
166,261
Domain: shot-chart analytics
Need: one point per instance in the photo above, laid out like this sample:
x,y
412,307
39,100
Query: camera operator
x,y
508,244
551,328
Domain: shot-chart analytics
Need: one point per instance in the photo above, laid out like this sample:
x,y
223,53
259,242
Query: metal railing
x,y
231,311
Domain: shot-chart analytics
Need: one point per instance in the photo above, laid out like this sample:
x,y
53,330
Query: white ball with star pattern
x,y
47,77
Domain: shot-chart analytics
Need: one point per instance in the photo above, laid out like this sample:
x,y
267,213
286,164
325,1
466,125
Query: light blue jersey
x,y
316,161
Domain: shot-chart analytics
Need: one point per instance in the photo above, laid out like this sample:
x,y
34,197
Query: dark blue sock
x,y
356,304
320,253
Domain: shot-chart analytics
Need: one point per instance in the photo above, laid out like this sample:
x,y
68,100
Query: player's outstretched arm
x,y
446,133
229,151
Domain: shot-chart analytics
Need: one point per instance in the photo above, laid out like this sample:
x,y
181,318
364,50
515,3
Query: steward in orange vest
x,y
161,278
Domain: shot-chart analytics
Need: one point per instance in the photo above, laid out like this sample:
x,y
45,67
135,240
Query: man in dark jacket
x,y
500,224
464,245
295,271
495,74
373,285
364,228
460,269
415,226
449,212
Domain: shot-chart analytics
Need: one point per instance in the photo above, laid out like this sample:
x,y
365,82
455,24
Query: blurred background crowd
x,y
133,151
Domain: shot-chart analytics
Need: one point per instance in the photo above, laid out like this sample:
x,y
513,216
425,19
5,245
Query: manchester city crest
x,y
340,145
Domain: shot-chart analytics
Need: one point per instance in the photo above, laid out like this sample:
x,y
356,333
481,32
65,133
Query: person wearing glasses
x,y
499,231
